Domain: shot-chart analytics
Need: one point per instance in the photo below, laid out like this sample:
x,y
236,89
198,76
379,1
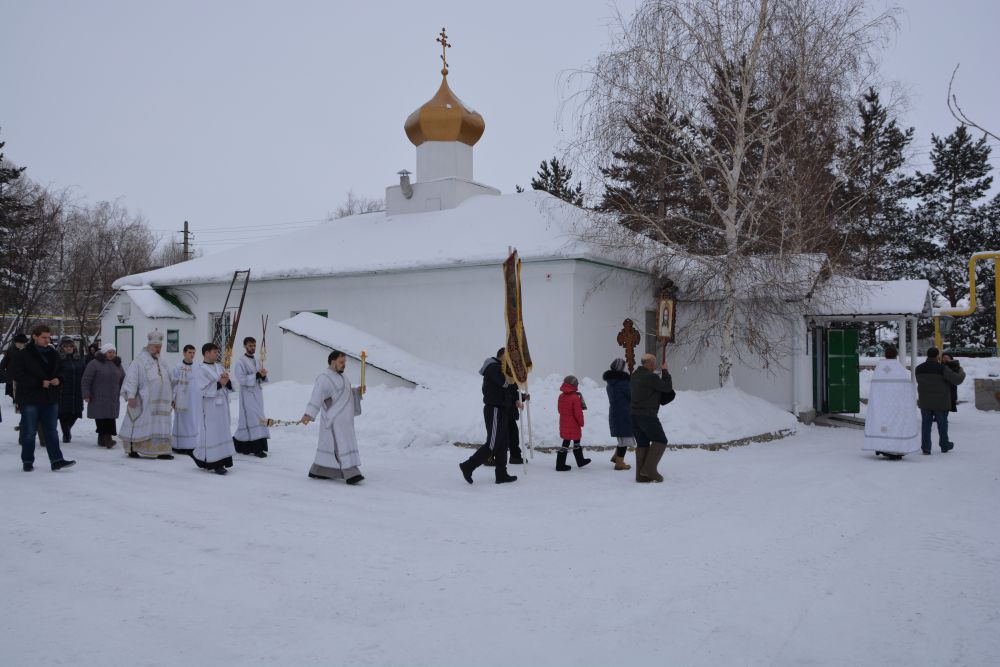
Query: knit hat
x,y
571,380
155,337
20,338
108,347
66,340
618,365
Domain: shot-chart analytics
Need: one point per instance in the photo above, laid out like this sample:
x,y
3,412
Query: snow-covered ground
x,y
801,551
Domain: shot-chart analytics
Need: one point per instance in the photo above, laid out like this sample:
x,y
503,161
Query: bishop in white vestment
x,y
251,435
336,404
892,424
214,450
145,426
187,403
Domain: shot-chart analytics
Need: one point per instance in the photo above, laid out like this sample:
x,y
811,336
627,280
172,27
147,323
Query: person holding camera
x,y
936,383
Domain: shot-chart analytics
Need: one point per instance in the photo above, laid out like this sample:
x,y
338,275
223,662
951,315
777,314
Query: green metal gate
x,y
842,379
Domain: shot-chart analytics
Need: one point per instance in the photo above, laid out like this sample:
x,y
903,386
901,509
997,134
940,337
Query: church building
x,y
419,286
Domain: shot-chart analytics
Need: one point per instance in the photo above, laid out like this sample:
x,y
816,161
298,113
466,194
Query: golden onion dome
x,y
444,117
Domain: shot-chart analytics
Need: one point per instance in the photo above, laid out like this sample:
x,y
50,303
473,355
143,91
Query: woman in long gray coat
x,y
102,384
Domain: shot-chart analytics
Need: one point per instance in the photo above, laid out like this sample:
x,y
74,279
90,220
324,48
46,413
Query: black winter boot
x,y
561,462
477,459
578,453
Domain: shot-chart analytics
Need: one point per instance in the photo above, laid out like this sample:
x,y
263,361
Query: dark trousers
x,y
67,424
106,427
927,417
497,432
33,418
513,439
647,429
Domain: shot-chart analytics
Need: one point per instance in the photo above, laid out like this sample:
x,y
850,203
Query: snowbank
x,y
427,417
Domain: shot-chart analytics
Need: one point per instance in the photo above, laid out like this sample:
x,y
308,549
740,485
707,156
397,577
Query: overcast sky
x,y
262,115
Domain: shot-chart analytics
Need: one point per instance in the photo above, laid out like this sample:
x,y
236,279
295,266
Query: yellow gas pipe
x,y
995,256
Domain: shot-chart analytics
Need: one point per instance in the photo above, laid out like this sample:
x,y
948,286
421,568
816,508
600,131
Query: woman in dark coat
x,y
619,397
20,340
102,384
70,394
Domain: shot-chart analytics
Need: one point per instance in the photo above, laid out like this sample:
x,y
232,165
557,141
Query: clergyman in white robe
x,y
892,424
336,404
187,407
251,435
214,450
145,426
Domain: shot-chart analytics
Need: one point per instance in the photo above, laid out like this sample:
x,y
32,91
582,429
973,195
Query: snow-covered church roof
x,y
154,305
477,231
843,296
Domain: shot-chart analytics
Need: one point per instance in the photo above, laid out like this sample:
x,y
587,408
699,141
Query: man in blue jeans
x,y
35,371
934,384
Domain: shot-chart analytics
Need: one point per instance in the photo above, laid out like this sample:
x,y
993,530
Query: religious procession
x,y
156,411
181,410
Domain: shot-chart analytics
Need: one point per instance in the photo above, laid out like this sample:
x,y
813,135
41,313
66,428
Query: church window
x,y
221,323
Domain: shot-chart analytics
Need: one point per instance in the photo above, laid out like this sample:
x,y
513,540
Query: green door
x,y
842,378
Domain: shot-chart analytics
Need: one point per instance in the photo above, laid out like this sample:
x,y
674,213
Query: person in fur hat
x,y
619,396
571,406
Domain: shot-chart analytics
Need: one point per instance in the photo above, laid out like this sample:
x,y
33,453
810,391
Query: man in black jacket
x,y
496,397
935,384
35,371
649,392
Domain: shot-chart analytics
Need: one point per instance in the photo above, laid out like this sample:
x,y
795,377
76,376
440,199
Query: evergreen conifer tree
x,y
555,178
649,185
874,191
950,224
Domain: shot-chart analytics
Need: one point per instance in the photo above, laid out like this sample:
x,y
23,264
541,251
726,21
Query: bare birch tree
x,y
751,98
99,244
355,204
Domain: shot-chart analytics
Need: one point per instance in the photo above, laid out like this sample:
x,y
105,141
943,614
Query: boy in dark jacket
x,y
649,391
35,371
495,398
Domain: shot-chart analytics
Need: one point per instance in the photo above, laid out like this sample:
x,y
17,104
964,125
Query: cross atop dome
x,y
443,41
444,130
444,117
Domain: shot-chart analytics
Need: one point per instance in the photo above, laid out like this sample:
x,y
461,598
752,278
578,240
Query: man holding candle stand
x,y
335,403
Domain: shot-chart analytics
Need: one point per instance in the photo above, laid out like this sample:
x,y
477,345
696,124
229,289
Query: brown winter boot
x,y
641,453
619,459
649,471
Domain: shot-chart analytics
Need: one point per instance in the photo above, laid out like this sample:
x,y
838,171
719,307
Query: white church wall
x,y
602,298
453,317
436,195
140,326
694,367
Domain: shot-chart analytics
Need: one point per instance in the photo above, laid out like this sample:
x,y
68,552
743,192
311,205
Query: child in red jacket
x,y
571,407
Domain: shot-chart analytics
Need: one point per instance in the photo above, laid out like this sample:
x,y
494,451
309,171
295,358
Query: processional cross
x,y
628,338
443,41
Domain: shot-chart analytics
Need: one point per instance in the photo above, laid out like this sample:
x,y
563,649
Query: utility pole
x,y
187,254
